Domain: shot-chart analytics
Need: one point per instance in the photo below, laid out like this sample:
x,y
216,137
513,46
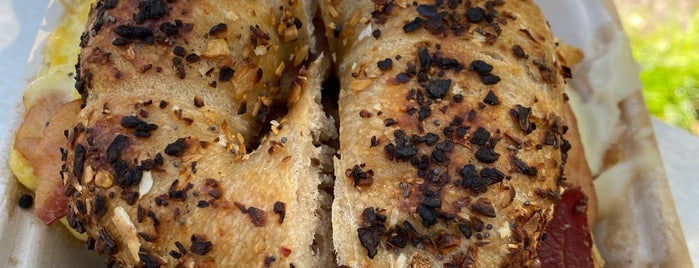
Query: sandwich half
x,y
453,143
199,143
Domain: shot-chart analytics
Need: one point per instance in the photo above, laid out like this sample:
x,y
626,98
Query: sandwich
x,y
199,137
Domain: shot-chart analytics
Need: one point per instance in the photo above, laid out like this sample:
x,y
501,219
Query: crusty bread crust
x,y
159,166
577,171
443,160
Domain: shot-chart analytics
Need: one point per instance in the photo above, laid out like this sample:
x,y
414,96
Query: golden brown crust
x,y
577,171
159,167
443,160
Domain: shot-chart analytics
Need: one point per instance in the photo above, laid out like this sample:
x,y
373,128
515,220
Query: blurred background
x,y
665,41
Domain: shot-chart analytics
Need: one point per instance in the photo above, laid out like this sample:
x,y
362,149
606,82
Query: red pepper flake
x,y
285,251
258,216
200,245
448,241
215,193
484,207
211,182
364,114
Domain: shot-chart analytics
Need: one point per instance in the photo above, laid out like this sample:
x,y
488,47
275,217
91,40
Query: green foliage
x,y
669,54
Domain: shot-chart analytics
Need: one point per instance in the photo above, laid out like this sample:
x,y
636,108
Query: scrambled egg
x,y
55,76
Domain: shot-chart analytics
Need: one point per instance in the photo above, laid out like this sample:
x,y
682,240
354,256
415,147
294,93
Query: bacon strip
x,y
568,241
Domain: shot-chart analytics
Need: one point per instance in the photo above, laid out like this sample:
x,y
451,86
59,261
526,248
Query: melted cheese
x,y
54,76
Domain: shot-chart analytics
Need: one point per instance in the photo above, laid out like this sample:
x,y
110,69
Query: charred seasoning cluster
x,y
435,121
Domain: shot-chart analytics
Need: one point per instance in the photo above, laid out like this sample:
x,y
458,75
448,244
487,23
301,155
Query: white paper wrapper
x,y
638,225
